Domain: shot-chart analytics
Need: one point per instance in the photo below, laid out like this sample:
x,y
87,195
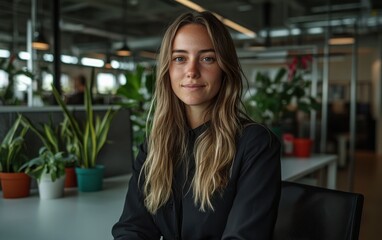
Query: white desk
x,y
295,168
90,216
76,216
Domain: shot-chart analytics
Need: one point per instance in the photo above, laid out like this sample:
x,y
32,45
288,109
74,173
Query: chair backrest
x,y
315,213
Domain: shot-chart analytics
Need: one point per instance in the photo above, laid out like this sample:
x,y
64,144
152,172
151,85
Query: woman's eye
x,y
178,59
208,59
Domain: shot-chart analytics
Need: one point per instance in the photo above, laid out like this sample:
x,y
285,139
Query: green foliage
x,y
7,95
274,96
90,138
72,144
136,96
52,137
11,147
47,162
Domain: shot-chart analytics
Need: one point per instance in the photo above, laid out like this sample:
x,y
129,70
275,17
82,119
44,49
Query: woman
x,y
206,170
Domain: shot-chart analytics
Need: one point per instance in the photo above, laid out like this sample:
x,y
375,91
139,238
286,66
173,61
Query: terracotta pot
x,y
302,147
15,185
71,178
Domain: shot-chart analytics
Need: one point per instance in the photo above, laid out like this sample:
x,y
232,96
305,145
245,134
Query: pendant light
x,y
124,51
39,41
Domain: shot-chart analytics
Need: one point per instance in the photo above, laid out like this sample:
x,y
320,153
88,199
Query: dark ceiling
x,y
98,26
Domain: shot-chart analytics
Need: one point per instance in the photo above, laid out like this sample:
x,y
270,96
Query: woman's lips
x,y
193,86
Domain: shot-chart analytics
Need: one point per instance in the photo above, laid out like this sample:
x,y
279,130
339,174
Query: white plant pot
x,y
49,189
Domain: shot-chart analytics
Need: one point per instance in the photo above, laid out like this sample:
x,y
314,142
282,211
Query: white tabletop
x,y
293,168
90,216
76,216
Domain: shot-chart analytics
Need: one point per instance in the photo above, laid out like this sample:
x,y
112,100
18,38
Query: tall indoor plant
x,y
136,95
14,183
90,139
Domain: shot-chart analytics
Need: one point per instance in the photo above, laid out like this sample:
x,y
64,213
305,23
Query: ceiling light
x,y
4,53
114,64
341,39
40,42
24,55
124,51
92,62
225,21
69,59
191,5
48,57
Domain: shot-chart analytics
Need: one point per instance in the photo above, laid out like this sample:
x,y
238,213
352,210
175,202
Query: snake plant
x,y
93,135
11,146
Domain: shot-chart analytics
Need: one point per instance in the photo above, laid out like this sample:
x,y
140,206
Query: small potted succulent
x,y
15,184
49,170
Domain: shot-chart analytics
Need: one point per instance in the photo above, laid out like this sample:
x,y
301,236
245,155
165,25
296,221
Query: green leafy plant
x,y
136,95
52,137
11,147
275,97
93,135
47,162
7,95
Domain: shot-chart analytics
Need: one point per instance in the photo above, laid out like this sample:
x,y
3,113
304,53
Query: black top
x,y
246,209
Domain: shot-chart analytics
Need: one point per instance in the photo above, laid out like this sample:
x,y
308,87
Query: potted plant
x,y
90,139
52,138
15,184
276,97
136,95
49,170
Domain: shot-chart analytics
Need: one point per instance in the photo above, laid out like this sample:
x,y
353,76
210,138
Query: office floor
x,y
368,181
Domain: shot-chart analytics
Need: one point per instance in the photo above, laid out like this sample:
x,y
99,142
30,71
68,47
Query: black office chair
x,y
315,213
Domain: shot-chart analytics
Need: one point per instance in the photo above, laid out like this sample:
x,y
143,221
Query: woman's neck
x,y
196,117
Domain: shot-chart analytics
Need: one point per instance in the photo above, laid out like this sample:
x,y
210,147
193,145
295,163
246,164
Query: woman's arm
x,y
135,223
254,211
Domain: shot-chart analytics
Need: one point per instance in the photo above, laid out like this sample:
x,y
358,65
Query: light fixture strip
x,y
225,21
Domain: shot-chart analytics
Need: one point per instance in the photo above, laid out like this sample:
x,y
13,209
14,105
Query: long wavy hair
x,y
214,149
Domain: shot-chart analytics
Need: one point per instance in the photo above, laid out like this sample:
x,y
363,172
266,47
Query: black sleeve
x,y
254,211
135,223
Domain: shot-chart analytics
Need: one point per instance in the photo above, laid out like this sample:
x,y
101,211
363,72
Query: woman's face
x,y
194,72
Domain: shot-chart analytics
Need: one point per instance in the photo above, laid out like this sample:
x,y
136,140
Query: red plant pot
x,y
15,185
302,147
71,178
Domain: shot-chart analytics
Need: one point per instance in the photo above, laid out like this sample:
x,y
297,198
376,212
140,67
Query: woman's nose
x,y
193,69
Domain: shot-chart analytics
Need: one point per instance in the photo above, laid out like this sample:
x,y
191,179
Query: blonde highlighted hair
x,y
214,149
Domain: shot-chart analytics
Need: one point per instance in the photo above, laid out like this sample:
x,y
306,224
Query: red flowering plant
x,y
274,97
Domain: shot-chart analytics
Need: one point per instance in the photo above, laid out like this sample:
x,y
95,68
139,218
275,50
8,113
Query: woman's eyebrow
x,y
200,51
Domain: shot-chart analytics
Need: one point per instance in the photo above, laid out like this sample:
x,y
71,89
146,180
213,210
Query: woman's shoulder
x,y
257,134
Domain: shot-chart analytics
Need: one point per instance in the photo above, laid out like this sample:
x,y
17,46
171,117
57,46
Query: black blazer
x,y
246,209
